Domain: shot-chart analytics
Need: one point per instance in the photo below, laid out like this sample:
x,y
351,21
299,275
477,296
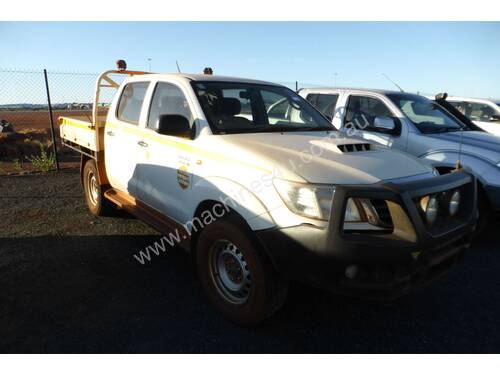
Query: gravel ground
x,y
69,283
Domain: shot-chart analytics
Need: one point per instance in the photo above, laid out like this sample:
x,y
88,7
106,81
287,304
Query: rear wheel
x,y
237,277
94,196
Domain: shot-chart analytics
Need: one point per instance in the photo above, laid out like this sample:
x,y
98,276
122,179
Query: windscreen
x,y
250,108
428,116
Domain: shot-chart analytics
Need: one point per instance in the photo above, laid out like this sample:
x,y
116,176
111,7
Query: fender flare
x,y
237,197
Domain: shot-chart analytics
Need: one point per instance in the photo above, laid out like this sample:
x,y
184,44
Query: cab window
x,y
131,100
362,111
168,99
325,103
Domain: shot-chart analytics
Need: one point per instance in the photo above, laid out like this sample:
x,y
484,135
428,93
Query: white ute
x,y
484,113
261,189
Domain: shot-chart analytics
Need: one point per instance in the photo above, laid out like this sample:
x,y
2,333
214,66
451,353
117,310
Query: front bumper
x,y
388,264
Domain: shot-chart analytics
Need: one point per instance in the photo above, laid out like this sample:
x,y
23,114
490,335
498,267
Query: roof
x,y
214,78
378,91
479,100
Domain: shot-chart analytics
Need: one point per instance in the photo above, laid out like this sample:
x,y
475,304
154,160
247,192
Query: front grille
x,y
355,147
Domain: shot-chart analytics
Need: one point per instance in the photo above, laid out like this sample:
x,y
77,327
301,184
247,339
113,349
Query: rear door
x,y
325,103
121,137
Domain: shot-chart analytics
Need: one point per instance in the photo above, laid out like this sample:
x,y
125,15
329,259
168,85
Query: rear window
x,y
131,100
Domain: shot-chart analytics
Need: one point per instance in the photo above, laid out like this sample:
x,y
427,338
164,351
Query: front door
x,y
165,163
359,121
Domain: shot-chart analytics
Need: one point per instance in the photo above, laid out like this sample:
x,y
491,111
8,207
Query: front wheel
x,y
237,277
483,212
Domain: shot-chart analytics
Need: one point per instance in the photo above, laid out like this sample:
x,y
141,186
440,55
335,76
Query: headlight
x,y
309,200
352,213
315,201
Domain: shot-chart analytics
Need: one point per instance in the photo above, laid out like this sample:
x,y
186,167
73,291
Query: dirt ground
x,y
69,283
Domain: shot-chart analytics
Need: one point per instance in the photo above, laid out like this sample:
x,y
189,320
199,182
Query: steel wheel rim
x,y
230,272
93,188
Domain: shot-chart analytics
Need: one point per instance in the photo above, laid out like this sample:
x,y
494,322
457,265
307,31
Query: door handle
x,y
110,133
142,144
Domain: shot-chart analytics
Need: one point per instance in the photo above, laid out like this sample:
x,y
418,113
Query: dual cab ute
x,y
260,188
432,130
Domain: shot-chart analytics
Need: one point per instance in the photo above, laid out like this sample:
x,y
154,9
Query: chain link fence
x,y
25,122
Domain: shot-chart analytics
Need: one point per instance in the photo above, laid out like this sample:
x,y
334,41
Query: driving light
x,y
309,200
430,207
454,203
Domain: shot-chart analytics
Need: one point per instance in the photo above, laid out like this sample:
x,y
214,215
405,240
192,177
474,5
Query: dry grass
x,y
32,130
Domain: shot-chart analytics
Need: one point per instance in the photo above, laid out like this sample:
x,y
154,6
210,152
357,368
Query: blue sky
x,y
460,58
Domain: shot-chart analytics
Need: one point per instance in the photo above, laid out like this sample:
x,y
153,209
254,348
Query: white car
x,y
260,188
484,113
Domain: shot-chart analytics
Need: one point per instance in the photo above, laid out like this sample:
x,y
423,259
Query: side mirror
x,y
385,123
174,125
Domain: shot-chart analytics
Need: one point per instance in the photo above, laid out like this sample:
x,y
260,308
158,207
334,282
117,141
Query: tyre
x,y
92,188
238,278
483,214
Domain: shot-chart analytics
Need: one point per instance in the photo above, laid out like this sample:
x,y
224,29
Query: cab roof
x,y
378,91
214,78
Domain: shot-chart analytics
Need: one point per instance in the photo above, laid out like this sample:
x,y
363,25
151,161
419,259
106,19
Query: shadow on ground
x,y
88,294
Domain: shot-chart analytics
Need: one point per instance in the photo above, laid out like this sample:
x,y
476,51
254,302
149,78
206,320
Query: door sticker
x,y
183,177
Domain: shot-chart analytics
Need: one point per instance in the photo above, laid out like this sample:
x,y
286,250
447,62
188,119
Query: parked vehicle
x,y
433,131
257,185
483,112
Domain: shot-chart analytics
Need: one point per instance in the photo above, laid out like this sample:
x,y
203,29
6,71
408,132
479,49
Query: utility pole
x,y
335,80
149,61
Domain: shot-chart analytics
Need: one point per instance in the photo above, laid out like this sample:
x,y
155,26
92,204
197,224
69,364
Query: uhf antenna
x,y
178,69
394,83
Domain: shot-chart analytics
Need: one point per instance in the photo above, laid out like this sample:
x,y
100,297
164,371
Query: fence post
x,y
52,131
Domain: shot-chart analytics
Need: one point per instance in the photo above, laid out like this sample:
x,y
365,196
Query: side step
x,y
149,215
